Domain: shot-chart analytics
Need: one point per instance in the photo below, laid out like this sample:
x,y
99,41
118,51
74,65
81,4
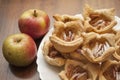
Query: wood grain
x,y
10,11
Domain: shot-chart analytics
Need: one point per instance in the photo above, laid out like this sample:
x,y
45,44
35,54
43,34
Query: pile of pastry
x,y
88,48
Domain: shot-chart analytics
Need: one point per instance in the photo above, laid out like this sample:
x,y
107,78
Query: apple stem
x,y
35,14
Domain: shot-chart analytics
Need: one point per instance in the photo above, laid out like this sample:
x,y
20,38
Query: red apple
x,y
19,49
34,22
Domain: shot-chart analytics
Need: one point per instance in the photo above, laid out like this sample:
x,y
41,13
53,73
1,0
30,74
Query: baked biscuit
x,y
76,70
109,70
99,21
66,36
98,47
51,55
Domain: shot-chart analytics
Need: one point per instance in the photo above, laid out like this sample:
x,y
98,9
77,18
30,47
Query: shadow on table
x,y
24,72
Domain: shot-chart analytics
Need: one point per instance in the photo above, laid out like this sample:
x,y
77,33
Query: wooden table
x,y
10,11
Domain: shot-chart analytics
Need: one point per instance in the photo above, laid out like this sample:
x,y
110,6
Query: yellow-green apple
x,y
19,49
34,22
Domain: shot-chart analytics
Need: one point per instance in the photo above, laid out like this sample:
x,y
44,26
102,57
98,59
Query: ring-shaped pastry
x,y
67,36
99,21
98,47
51,55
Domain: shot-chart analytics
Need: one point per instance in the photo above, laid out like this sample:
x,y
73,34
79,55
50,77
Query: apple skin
x,y
34,22
19,49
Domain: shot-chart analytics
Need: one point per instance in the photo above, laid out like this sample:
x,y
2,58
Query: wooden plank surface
x,y
10,11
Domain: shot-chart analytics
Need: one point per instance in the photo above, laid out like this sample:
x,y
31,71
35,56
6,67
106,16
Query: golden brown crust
x,y
73,71
67,36
65,47
109,70
56,61
99,21
65,18
81,71
98,47
89,47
